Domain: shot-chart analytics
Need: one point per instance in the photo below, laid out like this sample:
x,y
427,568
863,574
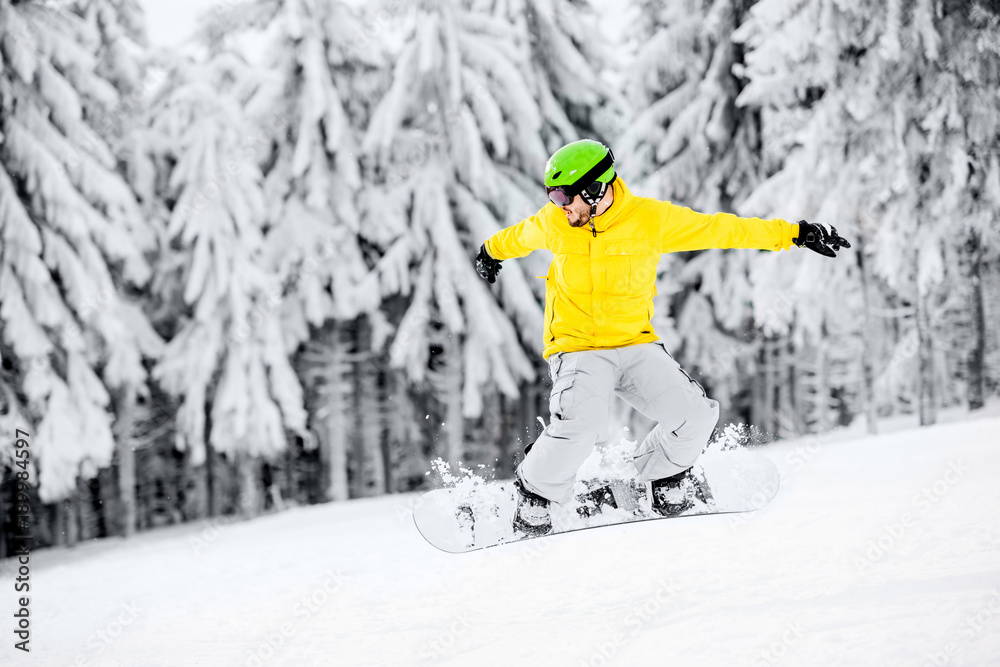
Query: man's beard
x,y
581,222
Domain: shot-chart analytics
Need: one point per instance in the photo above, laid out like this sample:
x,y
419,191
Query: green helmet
x,y
584,168
573,161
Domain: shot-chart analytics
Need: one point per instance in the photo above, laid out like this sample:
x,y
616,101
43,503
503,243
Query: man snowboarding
x,y
599,339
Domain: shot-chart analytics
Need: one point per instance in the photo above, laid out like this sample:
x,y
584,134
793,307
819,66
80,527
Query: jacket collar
x,y
623,199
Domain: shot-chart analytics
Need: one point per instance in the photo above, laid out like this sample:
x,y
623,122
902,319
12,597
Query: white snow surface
x,y
876,551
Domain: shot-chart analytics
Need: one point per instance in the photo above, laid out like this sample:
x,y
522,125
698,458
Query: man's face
x,y
577,212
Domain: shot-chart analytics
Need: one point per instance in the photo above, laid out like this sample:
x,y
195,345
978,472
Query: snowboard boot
x,y
532,514
673,495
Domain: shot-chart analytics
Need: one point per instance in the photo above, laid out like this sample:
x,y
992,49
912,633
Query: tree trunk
x,y
788,413
59,512
868,347
89,519
782,415
395,446
333,416
406,460
370,433
758,406
384,450
925,355
368,417
495,421
69,520
124,459
108,500
770,389
7,524
196,486
795,402
251,500
213,482
977,351
450,392
821,391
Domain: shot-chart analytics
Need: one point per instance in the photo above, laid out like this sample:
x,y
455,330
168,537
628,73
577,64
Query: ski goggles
x,y
563,195
559,195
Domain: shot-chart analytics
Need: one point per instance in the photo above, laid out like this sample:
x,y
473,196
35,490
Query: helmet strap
x,y
594,201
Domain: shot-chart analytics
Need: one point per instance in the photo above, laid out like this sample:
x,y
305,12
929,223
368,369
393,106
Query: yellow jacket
x,y
599,290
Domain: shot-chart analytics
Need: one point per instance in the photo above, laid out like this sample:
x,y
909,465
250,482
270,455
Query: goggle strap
x,y
589,176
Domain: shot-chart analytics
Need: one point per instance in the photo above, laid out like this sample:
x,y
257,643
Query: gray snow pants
x,y
649,380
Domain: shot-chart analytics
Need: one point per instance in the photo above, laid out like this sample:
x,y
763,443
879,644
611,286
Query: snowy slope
x,y
804,582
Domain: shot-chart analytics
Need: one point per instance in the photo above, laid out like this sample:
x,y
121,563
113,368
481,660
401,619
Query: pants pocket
x,y
563,372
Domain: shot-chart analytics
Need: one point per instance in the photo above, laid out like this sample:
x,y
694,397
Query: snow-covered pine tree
x,y
876,107
689,142
799,83
122,30
320,89
974,65
570,69
227,357
121,37
73,241
456,151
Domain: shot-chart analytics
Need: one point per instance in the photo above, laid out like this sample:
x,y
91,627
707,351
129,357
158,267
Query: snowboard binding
x,y
674,495
531,518
625,494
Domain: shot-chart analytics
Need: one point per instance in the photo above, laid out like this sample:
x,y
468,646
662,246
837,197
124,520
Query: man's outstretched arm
x,y
684,229
517,240
514,241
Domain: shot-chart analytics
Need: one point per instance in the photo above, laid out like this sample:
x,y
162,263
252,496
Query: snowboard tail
x,y
480,514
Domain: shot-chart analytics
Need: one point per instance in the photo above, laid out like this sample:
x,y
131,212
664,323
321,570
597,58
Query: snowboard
x,y
477,513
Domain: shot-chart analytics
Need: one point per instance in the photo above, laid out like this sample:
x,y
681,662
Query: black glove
x,y
487,267
817,239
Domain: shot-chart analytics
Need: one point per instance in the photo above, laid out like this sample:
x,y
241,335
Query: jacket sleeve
x,y
517,240
684,229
